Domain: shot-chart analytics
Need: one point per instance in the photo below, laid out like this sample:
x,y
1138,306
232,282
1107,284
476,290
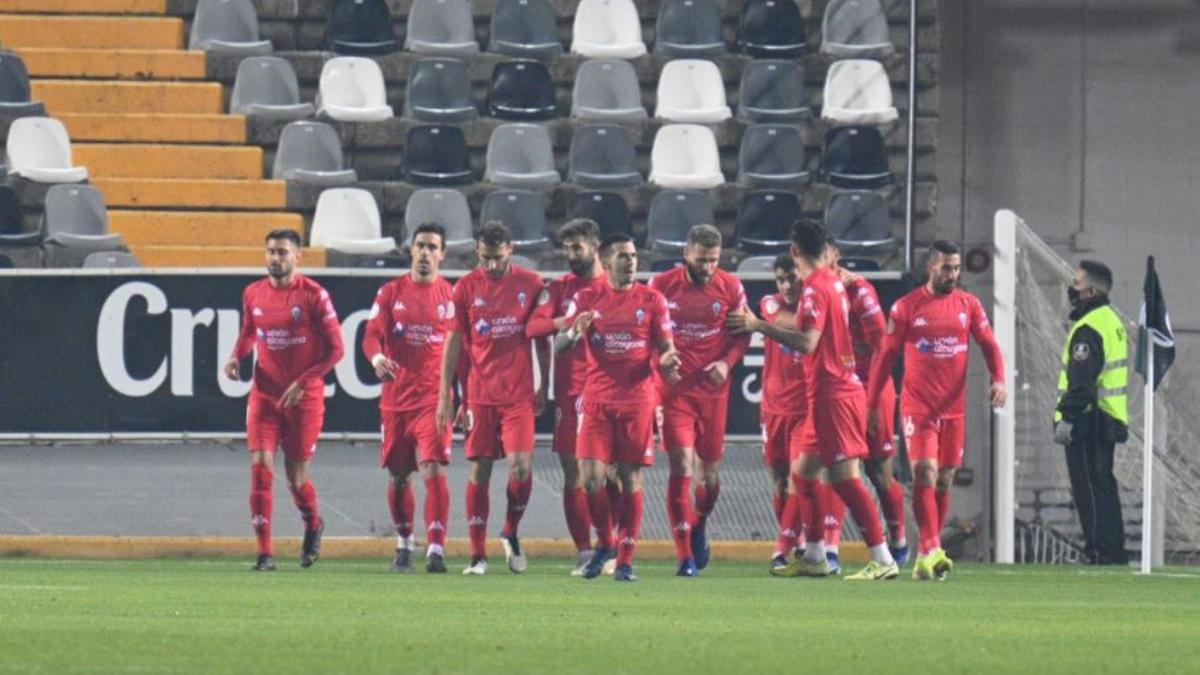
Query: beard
x,y
581,266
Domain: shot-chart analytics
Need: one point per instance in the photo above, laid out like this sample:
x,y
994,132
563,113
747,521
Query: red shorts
x,y
882,443
493,431
566,425
841,427
697,423
786,437
938,438
409,438
294,430
620,434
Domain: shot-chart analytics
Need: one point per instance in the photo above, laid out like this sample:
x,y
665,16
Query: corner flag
x,y
1154,325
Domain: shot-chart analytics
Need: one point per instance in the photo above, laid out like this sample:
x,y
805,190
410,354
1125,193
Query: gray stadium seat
x,y
607,89
855,29
439,90
227,26
522,212
443,27
603,157
772,156
757,264
666,264
15,100
672,214
859,220
689,29
773,91
266,87
111,260
75,221
523,261
521,155
21,246
445,207
855,158
524,28
311,152
764,221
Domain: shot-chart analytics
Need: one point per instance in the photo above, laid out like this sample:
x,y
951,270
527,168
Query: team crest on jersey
x,y
543,297
522,298
449,310
962,319
640,314
483,327
772,305
295,313
716,308
441,311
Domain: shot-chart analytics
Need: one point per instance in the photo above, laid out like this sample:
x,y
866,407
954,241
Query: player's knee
x,y
945,479
431,469
925,474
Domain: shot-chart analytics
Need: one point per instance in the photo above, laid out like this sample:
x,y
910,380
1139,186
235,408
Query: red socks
x,y
790,524
518,497
437,509
579,520
601,512
262,503
477,516
812,513
892,501
925,509
306,500
859,501
679,514
632,507
778,504
835,515
402,505
943,507
706,501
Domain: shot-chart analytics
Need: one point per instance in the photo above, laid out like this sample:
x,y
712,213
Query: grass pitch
x,y
66,616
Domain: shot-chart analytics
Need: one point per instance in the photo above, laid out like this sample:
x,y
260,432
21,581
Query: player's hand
x,y
1062,432
583,322
233,369
543,398
445,412
385,368
292,395
669,364
999,394
718,372
741,321
873,421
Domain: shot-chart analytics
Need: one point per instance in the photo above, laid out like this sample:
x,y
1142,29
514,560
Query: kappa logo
x,y
399,307
671,304
479,302
476,521
920,322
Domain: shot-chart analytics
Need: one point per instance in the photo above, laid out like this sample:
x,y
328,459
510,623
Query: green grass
x,y
356,616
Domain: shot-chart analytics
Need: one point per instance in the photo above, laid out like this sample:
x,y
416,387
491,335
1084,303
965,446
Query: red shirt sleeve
x,y
870,317
247,336
462,320
981,330
813,308
737,344
330,329
377,324
885,357
541,323
660,322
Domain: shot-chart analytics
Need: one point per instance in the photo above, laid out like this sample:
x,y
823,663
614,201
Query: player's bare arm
x,y
744,321
567,339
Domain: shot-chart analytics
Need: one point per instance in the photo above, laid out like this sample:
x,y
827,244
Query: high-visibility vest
x,y
1110,386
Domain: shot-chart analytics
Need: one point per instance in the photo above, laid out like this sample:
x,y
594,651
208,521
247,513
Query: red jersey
x,y
296,332
933,330
492,315
408,324
867,324
826,308
698,323
785,388
622,343
570,368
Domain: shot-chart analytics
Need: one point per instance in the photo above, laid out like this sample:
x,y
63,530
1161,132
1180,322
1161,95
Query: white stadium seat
x,y
685,156
691,90
607,29
39,149
347,220
857,91
352,90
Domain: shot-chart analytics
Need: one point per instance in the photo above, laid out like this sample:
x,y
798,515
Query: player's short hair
x,y
584,228
1098,273
944,247
809,237
704,236
611,241
493,233
287,234
433,228
784,263
832,242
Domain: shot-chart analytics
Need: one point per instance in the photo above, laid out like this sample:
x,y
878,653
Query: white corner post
x,y
1148,458
1004,421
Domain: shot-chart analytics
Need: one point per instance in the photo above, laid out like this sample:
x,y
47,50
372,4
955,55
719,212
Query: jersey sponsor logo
x,y
483,327
946,347
1081,352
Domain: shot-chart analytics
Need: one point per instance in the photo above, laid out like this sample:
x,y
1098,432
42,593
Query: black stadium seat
x,y
608,209
855,158
522,90
603,156
15,88
437,155
772,156
524,29
771,29
439,90
859,220
360,27
765,220
672,214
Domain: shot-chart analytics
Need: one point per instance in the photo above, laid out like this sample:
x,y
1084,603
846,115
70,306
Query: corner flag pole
x,y
1148,461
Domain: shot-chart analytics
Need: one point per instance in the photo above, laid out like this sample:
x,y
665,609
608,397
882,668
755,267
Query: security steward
x,y
1092,414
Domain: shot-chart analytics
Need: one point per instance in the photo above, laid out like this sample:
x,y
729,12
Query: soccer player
x,y
289,320
627,332
699,296
492,306
405,334
932,325
867,327
579,239
839,405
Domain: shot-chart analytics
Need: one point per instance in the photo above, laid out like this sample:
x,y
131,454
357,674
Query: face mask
x,y
1073,296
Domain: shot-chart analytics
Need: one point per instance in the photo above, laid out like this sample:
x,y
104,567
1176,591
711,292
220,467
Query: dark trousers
x,y
1090,465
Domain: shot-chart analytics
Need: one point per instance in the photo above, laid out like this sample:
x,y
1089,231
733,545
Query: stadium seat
x,y
75,222
227,26
12,221
685,156
607,29
672,214
6,262
603,156
608,209
757,264
442,27
771,29
521,156
522,90
691,90
39,149
859,264
689,29
437,155
607,89
859,220
523,261
855,29
15,99
773,91
111,260
311,152
522,212
266,87
764,221
855,158
352,90
360,28
347,220
525,29
439,90
445,207
666,264
857,91
772,156
380,262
